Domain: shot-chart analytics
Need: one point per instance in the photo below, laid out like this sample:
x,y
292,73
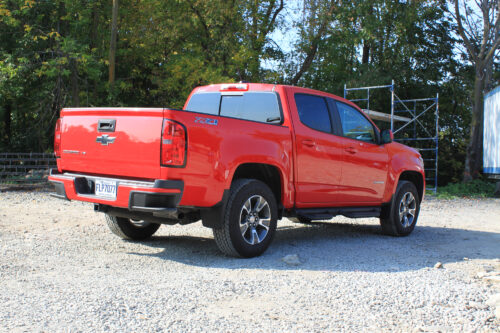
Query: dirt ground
x,y
62,270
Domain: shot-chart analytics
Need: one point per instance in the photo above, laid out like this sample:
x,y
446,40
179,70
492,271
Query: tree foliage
x,y
56,53
372,42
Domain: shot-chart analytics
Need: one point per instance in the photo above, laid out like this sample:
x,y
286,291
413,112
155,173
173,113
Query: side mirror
x,y
386,136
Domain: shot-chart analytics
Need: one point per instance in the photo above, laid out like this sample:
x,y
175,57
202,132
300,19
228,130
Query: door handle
x,y
351,150
106,125
309,143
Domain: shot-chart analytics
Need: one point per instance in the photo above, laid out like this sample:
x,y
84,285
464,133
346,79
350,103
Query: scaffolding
x,y
412,122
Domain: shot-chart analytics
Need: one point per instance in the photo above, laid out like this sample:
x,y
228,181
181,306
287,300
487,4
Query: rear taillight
x,y
57,138
173,144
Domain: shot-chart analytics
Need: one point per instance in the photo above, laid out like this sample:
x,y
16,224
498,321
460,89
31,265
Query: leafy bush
x,y
478,188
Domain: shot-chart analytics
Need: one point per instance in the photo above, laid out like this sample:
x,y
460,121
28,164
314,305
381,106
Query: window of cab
x,y
255,106
313,112
355,125
204,103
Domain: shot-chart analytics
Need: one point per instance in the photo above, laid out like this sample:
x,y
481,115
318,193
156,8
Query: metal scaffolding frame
x,y
423,135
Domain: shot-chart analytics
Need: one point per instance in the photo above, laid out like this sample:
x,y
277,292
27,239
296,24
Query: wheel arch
x,y
416,178
267,173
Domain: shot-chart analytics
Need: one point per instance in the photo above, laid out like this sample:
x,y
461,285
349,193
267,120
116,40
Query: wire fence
x,y
25,168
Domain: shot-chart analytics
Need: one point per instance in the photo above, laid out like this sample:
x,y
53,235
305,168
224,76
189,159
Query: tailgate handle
x,y
106,125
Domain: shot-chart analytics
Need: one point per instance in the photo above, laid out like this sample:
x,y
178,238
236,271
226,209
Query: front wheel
x,y
402,216
131,229
249,221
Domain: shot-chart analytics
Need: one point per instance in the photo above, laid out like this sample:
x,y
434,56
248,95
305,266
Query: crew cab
x,y
239,157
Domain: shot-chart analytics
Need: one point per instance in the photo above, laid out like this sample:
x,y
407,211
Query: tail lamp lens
x,y
57,138
173,143
234,87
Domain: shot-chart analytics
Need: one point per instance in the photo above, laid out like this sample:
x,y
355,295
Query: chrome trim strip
x,y
120,182
90,196
62,176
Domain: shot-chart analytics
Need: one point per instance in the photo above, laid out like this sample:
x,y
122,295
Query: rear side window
x,y
262,107
313,112
204,103
354,124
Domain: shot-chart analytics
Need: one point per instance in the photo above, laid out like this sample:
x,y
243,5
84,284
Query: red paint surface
x,y
325,173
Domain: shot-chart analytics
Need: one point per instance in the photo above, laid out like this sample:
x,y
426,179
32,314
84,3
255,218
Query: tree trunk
x,y
366,42
489,83
474,156
112,46
7,121
313,47
94,35
94,16
75,88
311,53
366,53
481,56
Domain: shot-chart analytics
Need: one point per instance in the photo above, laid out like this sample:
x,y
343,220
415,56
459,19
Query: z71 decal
x,y
208,121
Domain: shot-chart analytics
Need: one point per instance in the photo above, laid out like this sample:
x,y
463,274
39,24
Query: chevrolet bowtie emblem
x,y
105,139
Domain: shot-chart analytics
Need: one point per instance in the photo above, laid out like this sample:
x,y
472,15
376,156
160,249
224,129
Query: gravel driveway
x,y
61,269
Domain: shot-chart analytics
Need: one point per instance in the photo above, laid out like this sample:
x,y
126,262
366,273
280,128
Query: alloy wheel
x,y
407,209
255,219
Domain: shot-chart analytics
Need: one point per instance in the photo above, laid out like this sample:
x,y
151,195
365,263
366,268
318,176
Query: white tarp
x,y
491,138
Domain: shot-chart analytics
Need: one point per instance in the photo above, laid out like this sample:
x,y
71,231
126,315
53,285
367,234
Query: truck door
x,y
318,152
365,162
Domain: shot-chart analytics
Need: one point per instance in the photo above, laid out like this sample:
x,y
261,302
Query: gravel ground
x,y
62,270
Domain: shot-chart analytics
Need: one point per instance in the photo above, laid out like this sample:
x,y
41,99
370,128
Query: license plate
x,y
105,188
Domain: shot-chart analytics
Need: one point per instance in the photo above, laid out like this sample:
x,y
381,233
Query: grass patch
x,y
477,188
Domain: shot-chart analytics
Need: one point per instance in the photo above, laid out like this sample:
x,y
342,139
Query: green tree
x,y
58,53
480,34
371,42
44,51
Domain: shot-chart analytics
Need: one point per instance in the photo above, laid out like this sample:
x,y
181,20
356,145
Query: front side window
x,y
354,124
256,106
313,112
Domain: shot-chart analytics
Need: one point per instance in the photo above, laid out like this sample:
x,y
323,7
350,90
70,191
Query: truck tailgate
x,y
121,142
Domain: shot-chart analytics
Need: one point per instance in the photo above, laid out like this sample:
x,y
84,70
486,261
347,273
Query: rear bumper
x,y
159,197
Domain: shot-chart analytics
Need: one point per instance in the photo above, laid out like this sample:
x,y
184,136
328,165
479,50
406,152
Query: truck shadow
x,y
339,247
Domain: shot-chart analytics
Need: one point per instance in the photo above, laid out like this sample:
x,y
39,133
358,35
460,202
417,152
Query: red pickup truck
x,y
239,157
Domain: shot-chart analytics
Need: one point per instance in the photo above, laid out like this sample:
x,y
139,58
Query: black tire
x,y
230,237
405,201
126,229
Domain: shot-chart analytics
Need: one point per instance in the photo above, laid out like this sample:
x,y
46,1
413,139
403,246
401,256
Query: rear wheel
x,y
249,221
131,229
402,215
